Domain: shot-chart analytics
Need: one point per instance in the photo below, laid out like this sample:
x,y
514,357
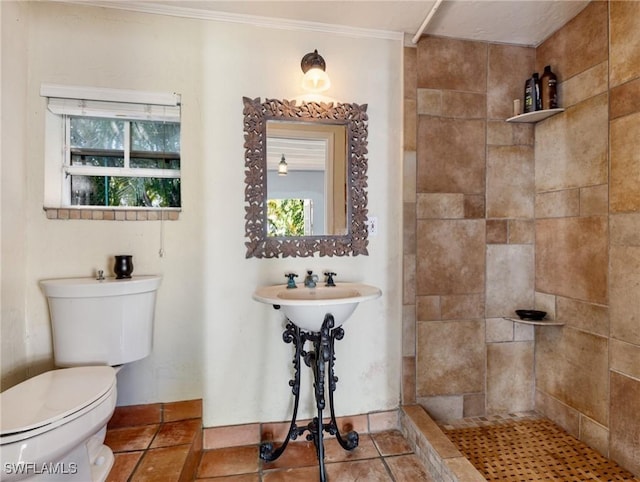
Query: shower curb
x,y
443,461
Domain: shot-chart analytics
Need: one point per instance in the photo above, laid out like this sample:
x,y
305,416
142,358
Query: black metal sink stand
x,y
322,354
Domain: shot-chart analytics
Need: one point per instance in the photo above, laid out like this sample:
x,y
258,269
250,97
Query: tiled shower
x,y
499,216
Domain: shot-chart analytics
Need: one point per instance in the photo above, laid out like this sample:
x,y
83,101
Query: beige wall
x,y
211,339
556,225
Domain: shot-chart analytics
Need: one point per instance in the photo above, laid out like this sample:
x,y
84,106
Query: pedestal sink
x,y
307,307
315,315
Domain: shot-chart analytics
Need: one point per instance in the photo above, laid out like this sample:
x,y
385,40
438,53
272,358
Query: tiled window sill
x,y
113,214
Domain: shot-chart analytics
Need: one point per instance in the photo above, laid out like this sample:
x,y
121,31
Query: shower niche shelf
x,y
535,116
536,322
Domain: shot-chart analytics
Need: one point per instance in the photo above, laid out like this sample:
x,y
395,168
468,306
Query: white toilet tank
x,y
101,322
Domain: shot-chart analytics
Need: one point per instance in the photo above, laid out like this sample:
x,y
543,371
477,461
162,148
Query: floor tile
x,y
359,470
130,438
161,465
298,474
229,461
181,410
176,433
391,443
123,466
131,415
297,454
407,468
333,451
233,478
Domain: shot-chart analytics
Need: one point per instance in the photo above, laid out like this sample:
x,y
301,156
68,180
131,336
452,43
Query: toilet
x,y
52,426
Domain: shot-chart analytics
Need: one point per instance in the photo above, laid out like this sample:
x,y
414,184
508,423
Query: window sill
x,y
113,214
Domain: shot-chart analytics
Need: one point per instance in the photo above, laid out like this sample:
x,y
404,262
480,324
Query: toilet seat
x,y
51,399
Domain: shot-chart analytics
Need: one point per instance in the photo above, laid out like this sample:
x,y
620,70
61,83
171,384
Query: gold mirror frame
x,y
256,115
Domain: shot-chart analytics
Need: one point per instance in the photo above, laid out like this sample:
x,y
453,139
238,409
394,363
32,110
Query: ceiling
x,y
523,22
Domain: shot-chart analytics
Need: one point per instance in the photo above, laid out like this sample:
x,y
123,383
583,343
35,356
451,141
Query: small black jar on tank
x,y
123,267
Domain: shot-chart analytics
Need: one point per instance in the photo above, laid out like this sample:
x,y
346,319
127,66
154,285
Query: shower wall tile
x,y
428,308
468,105
474,206
409,330
583,316
451,155
410,74
625,358
625,99
546,302
461,307
450,257
501,133
510,377
440,206
586,84
625,429
594,200
409,177
408,380
510,279
522,231
586,34
558,204
594,435
474,405
563,371
498,330
497,231
625,164
625,229
410,121
452,354
625,41
444,408
624,306
453,64
509,67
580,159
565,416
572,257
510,182
522,332
409,228
409,279
429,102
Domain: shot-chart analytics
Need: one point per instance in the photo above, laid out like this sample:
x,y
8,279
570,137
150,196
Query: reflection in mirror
x,y
305,178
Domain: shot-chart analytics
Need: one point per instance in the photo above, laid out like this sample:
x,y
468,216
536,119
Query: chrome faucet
x,y
311,279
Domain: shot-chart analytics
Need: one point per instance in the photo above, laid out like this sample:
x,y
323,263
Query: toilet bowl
x,y
53,425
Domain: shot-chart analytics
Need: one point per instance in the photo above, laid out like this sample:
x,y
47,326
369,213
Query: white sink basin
x,y
307,307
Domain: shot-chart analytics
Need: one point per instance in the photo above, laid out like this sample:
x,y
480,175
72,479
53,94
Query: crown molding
x,y
255,20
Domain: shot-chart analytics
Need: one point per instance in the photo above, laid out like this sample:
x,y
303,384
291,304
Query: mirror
x,y
324,146
306,179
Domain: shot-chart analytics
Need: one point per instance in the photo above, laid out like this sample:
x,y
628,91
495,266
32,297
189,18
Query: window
x,y
121,153
289,217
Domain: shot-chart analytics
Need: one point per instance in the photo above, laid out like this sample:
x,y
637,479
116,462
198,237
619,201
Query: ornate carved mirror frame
x,y
256,115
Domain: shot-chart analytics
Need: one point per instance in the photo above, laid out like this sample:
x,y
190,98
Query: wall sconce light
x,y
315,78
282,167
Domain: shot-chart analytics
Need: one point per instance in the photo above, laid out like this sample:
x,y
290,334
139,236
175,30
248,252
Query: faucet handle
x,y
291,282
330,275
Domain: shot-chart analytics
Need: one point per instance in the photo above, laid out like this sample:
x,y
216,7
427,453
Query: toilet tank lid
x,y
52,395
91,287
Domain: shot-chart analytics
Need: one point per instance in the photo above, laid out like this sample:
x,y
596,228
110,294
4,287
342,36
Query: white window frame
x,y
126,105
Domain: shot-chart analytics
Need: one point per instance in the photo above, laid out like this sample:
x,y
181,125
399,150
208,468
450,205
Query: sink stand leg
x,y
323,354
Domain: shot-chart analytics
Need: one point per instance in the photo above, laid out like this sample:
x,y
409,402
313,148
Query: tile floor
x,y
163,443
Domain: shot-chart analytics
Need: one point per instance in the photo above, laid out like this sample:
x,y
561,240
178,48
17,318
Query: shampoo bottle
x,y
548,89
532,94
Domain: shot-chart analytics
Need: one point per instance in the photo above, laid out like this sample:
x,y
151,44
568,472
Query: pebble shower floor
x,y
529,448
